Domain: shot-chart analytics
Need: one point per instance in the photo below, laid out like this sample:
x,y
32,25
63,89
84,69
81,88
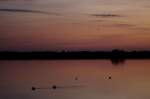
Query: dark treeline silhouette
x,y
115,55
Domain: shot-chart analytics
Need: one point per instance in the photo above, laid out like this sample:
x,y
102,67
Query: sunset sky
x,y
55,25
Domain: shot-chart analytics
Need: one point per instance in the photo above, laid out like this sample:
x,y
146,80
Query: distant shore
x,y
113,55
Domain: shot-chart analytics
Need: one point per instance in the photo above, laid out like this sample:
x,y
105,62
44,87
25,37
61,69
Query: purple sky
x,y
27,25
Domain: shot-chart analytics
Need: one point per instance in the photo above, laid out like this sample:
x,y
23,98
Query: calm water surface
x,y
130,80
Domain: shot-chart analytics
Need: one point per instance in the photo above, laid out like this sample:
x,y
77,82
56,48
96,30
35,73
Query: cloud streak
x,y
27,11
105,15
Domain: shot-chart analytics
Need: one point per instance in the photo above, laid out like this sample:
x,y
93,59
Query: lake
x,y
75,79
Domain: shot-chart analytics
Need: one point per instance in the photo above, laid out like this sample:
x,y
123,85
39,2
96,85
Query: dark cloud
x,y
16,0
100,20
130,26
105,15
123,25
27,11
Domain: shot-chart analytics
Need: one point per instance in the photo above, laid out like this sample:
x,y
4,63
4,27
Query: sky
x,y
55,25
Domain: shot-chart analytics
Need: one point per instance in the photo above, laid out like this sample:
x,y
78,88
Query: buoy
x,y
109,77
54,86
76,78
33,88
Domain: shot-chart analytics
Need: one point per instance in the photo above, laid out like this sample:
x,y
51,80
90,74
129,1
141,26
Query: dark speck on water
x,y
54,86
76,78
109,77
33,88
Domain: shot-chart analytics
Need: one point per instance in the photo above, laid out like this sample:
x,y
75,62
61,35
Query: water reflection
x,y
117,61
